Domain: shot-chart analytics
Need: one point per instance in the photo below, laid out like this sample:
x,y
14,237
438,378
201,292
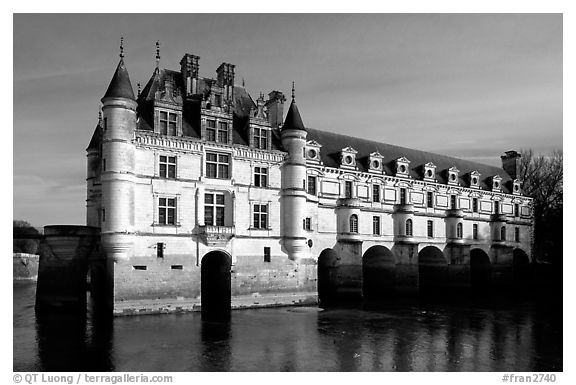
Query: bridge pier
x,y
71,253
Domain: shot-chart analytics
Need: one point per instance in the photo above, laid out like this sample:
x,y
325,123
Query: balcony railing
x,y
455,213
498,217
217,235
404,208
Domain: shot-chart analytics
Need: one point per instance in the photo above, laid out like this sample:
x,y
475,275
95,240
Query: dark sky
x,y
466,85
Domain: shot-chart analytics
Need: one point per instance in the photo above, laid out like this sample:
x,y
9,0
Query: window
x,y
105,124
211,130
217,166
160,250
168,123
353,223
308,224
214,209
222,132
166,211
516,210
459,232
453,202
496,207
260,216
376,193
261,176
409,227
103,164
402,196
475,231
177,267
167,166
266,254
376,225
261,138
503,233
474,205
348,189
218,100
103,215
311,185
430,229
429,199
517,234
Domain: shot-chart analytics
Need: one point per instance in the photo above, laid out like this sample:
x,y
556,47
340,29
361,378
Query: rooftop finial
x,y
293,92
122,47
157,53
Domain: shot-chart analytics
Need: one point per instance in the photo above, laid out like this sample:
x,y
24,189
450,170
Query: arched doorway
x,y
327,276
480,270
215,282
432,269
378,272
521,268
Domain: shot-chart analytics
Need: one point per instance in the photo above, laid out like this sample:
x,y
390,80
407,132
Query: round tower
x,y
119,123
293,196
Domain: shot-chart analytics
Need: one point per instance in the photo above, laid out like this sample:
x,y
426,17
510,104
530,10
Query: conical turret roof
x,y
120,86
293,120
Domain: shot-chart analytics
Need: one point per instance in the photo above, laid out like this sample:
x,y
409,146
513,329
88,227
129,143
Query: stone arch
x,y
432,268
216,282
521,268
327,276
480,270
378,272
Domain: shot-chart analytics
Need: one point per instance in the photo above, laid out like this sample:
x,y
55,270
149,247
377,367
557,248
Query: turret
x,y
119,108
93,170
293,205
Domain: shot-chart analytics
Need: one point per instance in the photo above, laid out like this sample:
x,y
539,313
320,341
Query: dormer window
x,y
516,187
453,175
312,151
167,123
375,162
474,179
261,138
216,131
496,183
348,157
430,172
402,166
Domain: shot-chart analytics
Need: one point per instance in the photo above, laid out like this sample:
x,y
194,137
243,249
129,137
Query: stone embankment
x,y
25,266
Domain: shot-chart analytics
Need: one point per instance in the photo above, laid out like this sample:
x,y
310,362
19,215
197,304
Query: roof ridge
x,y
447,157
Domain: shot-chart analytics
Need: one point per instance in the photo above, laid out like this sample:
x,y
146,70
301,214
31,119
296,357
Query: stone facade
x,y
193,168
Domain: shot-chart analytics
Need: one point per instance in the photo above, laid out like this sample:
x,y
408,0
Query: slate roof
x,y
120,86
293,120
333,143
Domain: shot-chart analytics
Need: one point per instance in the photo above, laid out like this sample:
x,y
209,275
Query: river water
x,y
400,335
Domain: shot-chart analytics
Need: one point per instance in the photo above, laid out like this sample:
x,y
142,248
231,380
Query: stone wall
x,y
25,266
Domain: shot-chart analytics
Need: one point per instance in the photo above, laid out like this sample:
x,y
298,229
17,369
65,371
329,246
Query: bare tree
x,y
542,179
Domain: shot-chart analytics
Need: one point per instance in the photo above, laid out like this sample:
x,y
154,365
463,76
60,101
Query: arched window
x,y
353,223
409,227
503,233
459,230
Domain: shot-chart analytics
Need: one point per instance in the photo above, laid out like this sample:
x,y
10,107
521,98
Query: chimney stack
x,y
511,163
275,105
189,67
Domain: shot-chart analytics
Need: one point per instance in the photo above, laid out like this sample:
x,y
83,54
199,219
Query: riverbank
x,y
253,301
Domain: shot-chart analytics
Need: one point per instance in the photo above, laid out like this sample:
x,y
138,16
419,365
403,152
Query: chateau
x,y
204,196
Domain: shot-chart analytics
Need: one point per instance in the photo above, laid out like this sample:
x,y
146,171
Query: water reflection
x,y
394,336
